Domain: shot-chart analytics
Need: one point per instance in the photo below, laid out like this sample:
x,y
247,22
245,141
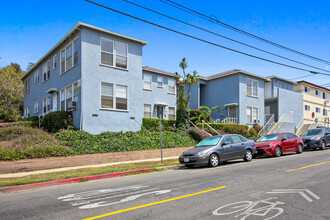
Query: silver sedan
x,y
216,149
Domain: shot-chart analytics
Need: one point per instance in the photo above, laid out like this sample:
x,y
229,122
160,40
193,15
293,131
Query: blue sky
x,y
28,29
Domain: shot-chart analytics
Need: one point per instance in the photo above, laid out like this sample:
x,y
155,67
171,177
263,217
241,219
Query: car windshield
x,y
271,137
211,141
313,132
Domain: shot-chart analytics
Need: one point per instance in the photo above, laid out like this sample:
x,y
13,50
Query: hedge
x,y
153,124
82,142
220,126
55,121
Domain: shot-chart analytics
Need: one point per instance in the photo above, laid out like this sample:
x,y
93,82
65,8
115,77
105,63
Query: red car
x,y
277,144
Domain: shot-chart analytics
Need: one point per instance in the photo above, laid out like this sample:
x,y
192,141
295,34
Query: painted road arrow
x,y
303,192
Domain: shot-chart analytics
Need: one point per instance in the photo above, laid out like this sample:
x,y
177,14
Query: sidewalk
x,y
12,175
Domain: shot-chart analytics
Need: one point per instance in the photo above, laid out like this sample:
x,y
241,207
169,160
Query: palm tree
x,y
205,114
191,79
183,64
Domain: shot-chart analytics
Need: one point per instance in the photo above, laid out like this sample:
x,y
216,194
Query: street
x,y
289,187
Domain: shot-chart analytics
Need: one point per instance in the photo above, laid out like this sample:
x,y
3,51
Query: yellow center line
x,y
155,203
313,165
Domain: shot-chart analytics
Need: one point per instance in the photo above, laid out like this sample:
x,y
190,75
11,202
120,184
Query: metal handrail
x,y
277,124
193,124
299,126
203,122
267,126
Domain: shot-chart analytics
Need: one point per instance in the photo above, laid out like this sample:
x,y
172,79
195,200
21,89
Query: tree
x,y
11,92
30,65
191,80
205,114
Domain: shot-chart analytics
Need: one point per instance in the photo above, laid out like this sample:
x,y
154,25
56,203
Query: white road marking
x,y
299,191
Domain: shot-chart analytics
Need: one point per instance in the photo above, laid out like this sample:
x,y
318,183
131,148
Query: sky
x,y
29,29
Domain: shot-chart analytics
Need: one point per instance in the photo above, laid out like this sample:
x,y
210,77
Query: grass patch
x,y
4,182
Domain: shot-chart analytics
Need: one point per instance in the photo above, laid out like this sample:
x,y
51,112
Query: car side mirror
x,y
284,139
223,144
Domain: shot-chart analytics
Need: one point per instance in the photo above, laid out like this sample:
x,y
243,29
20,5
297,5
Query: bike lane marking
x,y
313,165
155,203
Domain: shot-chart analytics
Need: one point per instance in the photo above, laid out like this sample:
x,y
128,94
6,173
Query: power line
x,y
205,41
219,35
191,11
303,76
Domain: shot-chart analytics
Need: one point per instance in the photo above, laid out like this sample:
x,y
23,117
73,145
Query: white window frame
x,y
325,95
325,112
36,76
114,53
43,105
54,61
174,113
114,97
253,116
308,89
65,57
27,84
27,112
307,108
252,88
36,107
64,94
145,112
317,110
145,83
46,71
73,49
174,87
160,82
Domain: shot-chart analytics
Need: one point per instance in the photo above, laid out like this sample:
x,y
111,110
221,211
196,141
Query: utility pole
x,y
161,142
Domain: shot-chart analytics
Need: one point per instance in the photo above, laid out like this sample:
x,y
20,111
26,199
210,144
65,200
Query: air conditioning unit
x,y
72,105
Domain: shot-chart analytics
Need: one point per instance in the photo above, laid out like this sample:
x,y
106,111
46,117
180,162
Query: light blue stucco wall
x,y
158,94
56,81
248,101
219,92
290,103
93,73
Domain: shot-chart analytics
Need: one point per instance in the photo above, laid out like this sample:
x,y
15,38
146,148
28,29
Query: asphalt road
x,y
262,189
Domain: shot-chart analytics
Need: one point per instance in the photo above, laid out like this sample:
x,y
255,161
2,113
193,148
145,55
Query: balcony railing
x,y
229,120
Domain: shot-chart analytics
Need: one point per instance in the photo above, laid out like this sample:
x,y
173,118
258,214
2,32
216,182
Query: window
x,y
27,112
54,62
317,92
147,81
36,107
121,55
106,52
106,95
27,86
62,94
62,61
75,52
171,86
46,105
36,76
252,115
113,52
236,139
325,112
46,71
159,81
318,110
226,140
68,96
252,87
171,113
325,95
307,89
69,56
147,111
75,91
307,108
121,97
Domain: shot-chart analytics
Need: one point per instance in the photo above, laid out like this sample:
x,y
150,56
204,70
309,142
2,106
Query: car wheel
x,y
278,151
300,149
214,160
323,145
189,166
248,156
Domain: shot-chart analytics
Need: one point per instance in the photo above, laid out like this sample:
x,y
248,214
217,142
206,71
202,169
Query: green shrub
x,y
257,128
19,142
153,124
228,128
82,142
55,121
182,117
194,113
33,119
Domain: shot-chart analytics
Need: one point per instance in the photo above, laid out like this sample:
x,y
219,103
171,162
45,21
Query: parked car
x,y
316,138
278,144
216,149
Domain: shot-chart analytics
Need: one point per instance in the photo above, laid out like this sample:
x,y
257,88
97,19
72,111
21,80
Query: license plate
x,y
186,160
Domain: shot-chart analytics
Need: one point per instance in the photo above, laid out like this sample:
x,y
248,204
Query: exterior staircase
x,y
303,129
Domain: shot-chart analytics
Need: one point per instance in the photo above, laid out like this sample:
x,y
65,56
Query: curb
x,y
71,180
